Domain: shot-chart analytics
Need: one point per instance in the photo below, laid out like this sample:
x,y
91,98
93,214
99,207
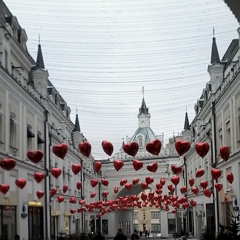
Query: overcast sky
x,y
100,53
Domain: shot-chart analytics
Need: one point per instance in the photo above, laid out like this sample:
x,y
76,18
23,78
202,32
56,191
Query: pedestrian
x,y
99,236
16,237
146,233
135,236
140,233
120,235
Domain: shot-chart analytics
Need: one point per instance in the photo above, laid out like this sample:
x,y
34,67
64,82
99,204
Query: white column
x,y
164,224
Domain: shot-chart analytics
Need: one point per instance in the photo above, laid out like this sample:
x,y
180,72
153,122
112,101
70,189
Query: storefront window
x,y
35,222
171,226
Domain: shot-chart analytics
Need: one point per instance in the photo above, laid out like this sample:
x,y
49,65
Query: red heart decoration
x,y
199,173
170,188
72,211
202,148
60,199
207,193
40,194
218,186
128,186
191,182
162,181
76,168
8,164
105,193
154,147
216,173
35,156
152,167
104,182
135,181
82,202
79,185
175,180
204,184
72,200
230,178
182,147
183,189
193,203
176,169
144,196
85,148
60,150
195,190
116,190
53,192
137,164
94,182
174,210
93,194
107,147
4,188
149,180
224,152
144,185
123,182
118,164
65,188
38,176
97,166
21,182
159,186
56,172
131,148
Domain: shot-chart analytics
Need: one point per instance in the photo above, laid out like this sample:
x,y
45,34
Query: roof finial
x,y
213,32
143,91
39,38
186,108
76,110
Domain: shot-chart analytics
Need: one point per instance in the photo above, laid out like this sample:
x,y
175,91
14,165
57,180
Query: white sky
x,y
100,53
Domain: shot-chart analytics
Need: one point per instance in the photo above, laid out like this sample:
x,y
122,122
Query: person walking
x,y
120,235
16,237
135,236
99,236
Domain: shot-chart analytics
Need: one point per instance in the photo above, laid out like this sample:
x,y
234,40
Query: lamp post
x,y
236,210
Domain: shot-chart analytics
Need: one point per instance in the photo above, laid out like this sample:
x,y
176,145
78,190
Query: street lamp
x,y
236,210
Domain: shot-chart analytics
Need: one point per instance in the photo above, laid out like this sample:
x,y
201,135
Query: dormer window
x,y
140,141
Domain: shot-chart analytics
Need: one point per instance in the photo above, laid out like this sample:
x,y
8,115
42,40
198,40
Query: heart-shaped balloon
x,y
159,186
118,164
162,181
72,211
131,148
195,190
182,147
4,188
65,188
204,184
149,180
104,182
60,150
144,185
35,156
230,178
73,200
123,182
93,194
170,188
193,203
38,176
85,148
107,147
191,182
218,186
116,190
202,148
176,169
216,173
128,186
207,193
40,194
76,168
175,180
60,199
105,193
199,173
152,167
137,164
82,201
53,192
183,189
7,164
21,182
154,147
225,152
79,185
94,182
135,181
144,196
97,166
56,172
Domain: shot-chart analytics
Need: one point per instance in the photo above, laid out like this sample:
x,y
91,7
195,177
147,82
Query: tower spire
x,y
186,122
40,62
77,125
214,54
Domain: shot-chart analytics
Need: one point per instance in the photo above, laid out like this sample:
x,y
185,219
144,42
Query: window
x,y
13,132
220,138
155,215
128,230
228,133
144,215
140,141
30,136
2,133
171,226
238,126
135,216
6,59
155,227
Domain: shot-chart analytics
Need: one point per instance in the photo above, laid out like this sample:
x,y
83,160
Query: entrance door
x,y
35,222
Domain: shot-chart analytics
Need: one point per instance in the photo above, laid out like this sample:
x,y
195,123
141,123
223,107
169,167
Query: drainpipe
x,y
82,196
186,182
49,179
